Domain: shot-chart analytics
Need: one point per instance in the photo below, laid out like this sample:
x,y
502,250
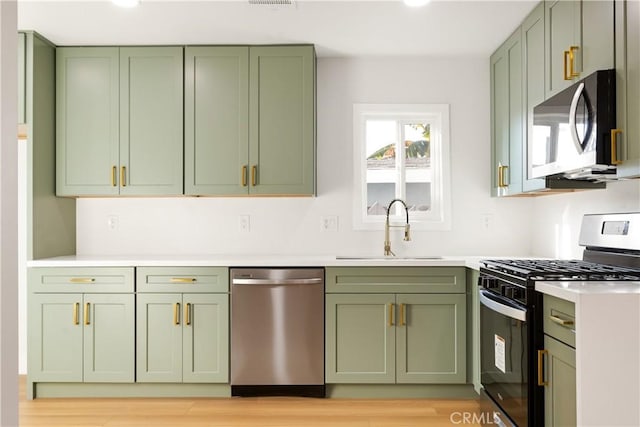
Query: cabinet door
x,y
151,132
87,141
206,338
431,338
628,86
360,338
109,340
560,391
216,120
55,337
159,338
282,120
597,41
506,117
563,25
533,84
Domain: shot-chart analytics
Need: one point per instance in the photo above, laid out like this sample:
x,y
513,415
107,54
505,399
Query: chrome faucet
x,y
407,236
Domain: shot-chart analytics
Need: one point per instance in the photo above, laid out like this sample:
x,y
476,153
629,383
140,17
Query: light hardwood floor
x,y
243,412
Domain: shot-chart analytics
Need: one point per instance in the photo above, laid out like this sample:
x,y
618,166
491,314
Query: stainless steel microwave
x,y
572,131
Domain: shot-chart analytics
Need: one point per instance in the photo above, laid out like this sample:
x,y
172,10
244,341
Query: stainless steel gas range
x,y
511,330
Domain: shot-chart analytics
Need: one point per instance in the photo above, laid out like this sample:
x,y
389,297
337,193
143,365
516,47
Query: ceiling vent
x,y
273,3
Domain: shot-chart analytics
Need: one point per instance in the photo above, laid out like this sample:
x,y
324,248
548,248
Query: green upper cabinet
x,y
216,120
250,120
151,117
506,117
281,120
628,87
87,142
580,40
119,121
533,83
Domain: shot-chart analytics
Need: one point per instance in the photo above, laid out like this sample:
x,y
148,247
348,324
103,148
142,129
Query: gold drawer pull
x,y
82,280
176,313
183,280
403,320
114,173
187,314
567,58
123,173
614,146
560,321
76,308
254,173
244,175
541,381
391,313
86,314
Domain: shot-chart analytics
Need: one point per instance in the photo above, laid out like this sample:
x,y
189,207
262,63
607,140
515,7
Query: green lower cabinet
x,y
431,339
81,338
182,338
560,391
206,338
360,338
387,338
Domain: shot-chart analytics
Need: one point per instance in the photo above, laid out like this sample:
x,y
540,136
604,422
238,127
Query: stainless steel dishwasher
x,y
277,332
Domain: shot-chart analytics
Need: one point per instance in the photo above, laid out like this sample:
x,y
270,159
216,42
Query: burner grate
x,y
562,270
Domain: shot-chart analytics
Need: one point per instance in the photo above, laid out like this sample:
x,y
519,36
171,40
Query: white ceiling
x,y
337,28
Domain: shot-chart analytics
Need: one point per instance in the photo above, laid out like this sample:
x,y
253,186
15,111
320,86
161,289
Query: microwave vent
x,y
273,3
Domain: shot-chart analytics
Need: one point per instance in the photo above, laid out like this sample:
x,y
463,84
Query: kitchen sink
x,y
390,258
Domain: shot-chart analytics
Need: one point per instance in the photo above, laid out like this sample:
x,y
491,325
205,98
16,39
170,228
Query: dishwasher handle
x,y
311,281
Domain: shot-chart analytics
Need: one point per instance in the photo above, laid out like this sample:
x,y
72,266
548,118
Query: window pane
x,y
382,173
418,174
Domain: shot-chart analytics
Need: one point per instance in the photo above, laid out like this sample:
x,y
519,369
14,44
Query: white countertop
x,y
250,261
572,291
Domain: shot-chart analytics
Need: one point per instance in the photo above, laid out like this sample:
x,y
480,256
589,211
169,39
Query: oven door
x,y
503,355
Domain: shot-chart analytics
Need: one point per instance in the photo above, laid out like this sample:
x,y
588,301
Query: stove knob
x,y
506,291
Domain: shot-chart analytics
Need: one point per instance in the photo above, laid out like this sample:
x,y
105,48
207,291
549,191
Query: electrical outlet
x,y
329,223
244,223
113,222
486,222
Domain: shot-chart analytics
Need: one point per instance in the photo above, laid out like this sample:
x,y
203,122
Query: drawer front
x,y
396,280
81,279
182,279
560,319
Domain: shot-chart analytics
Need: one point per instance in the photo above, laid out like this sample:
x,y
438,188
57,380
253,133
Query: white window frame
x,y
437,115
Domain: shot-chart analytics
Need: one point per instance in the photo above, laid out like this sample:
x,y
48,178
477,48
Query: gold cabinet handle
x,y
86,314
614,146
391,313
176,313
82,280
114,172
254,173
244,175
123,173
183,280
541,381
187,315
76,308
505,181
403,314
560,321
572,62
567,58
500,177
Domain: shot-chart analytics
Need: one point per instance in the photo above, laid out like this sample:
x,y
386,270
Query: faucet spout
x,y
387,226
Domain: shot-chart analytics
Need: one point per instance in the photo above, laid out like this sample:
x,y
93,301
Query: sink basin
x,y
390,258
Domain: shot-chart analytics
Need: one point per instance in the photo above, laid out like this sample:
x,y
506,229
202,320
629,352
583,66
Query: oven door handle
x,y
501,307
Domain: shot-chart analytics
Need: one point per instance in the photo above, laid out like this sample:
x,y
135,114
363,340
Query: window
x,y
402,152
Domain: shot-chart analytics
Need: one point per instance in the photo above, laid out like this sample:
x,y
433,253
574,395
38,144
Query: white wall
x,y
292,225
557,218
